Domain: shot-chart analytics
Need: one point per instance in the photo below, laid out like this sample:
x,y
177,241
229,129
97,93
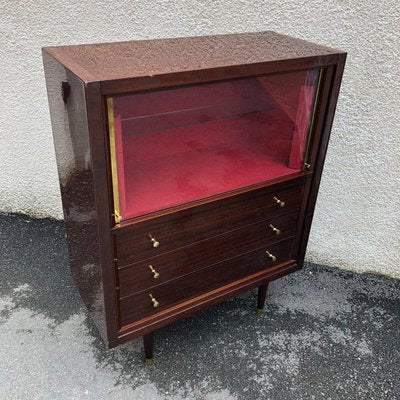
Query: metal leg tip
x,y
259,311
149,362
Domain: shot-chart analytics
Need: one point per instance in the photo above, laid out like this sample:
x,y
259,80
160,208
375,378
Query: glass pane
x,y
177,145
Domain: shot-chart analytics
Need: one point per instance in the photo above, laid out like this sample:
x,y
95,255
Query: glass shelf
x,y
174,146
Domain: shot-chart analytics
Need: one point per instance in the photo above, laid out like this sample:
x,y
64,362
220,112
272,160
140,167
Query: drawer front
x,y
175,230
140,305
180,262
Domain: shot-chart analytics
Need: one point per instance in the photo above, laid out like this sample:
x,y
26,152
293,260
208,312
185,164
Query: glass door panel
x,y
173,146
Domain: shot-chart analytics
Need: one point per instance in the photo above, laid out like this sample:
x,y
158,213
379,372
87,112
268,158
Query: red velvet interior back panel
x,y
178,145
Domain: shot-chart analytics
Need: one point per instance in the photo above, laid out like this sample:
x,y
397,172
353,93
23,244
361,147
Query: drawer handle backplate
x,y
154,301
275,230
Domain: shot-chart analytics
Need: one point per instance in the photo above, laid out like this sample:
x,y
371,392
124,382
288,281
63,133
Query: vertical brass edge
x,y
306,165
113,157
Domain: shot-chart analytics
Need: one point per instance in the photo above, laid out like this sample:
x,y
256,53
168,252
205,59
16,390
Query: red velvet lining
x,y
172,167
179,145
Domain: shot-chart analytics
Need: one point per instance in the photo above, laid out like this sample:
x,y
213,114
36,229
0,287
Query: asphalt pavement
x,y
325,334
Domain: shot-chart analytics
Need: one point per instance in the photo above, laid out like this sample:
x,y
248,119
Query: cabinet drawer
x,y
139,305
167,266
172,231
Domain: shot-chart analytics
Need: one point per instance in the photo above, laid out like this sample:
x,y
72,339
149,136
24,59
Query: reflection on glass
x,y
177,145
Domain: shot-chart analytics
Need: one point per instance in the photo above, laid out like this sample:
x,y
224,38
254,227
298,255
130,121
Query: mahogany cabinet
x,y
189,169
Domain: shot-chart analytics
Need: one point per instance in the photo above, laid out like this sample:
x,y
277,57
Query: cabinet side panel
x,y
71,141
334,79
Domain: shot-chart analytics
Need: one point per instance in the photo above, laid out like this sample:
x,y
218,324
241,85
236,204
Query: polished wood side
x,y
161,297
198,223
187,259
76,177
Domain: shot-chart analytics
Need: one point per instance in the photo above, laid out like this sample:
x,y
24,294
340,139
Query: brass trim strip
x,y
312,120
113,159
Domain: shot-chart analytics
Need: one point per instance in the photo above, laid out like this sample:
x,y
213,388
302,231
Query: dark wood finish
x,y
316,139
210,249
185,260
187,308
179,229
120,61
139,305
223,73
314,145
76,177
326,122
261,296
148,342
103,204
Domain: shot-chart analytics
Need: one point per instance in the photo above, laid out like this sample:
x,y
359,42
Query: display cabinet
x,y
189,169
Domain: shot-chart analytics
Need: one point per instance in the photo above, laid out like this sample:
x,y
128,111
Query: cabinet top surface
x,y
122,60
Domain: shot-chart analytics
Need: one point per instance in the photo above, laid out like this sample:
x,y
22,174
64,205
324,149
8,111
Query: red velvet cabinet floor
x,y
189,169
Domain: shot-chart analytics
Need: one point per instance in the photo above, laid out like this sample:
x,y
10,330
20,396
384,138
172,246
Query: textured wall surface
x,y
357,220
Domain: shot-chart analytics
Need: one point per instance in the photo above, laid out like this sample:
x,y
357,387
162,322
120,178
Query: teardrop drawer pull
x,y
271,256
154,301
279,202
154,272
275,230
153,241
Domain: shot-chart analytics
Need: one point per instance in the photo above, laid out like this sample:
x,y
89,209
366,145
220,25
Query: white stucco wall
x,y
357,219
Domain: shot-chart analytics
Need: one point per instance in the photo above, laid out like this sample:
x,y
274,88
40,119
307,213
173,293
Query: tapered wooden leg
x,y
262,294
148,342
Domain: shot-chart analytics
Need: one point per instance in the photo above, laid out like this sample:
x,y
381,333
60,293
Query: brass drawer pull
x,y
270,255
154,272
154,301
153,241
280,202
275,230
